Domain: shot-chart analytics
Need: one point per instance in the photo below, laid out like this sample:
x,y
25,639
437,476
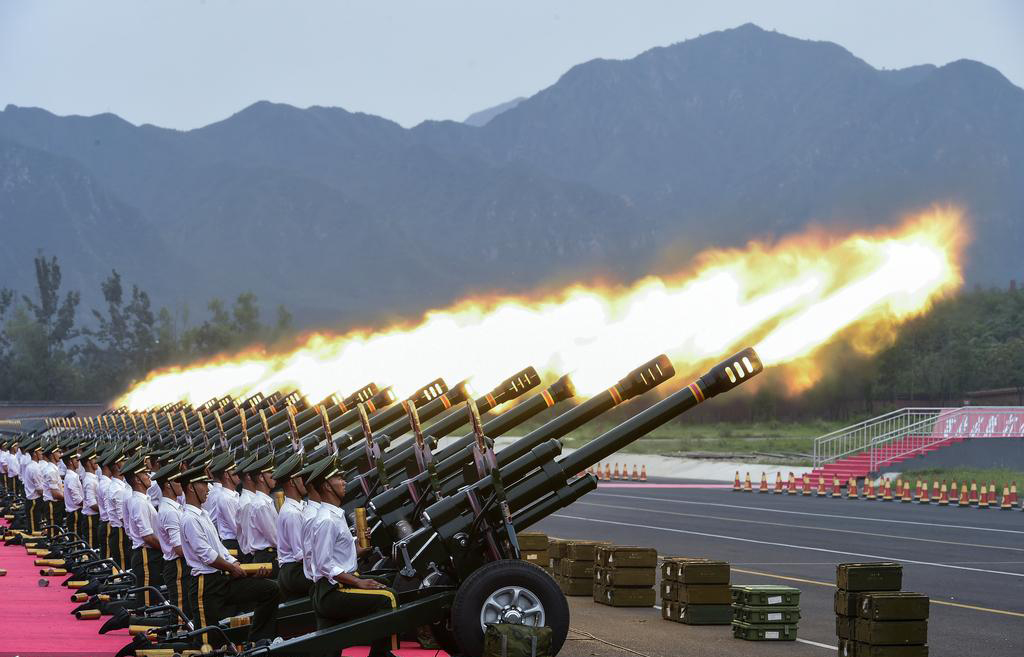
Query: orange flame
x,y
789,298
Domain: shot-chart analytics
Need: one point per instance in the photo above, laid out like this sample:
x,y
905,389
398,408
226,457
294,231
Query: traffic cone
x,y
807,484
1013,492
899,486
943,495
869,489
736,485
965,499
837,490
917,490
851,489
983,498
974,492
887,491
607,472
821,486
907,496
636,473
615,471
778,484
643,472
954,493
924,494
791,490
935,489
992,493
1006,504
747,486
763,488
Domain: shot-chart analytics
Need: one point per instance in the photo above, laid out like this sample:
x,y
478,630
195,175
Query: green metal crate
x,y
749,632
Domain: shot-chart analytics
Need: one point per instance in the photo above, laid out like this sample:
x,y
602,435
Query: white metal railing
x,y
882,438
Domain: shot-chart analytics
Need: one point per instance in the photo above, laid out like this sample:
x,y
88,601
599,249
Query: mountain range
x,y
617,169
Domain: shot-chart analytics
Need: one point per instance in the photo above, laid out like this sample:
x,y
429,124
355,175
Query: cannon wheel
x,y
508,591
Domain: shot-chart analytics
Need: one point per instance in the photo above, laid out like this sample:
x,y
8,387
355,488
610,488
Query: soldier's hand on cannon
x,y
371,584
235,569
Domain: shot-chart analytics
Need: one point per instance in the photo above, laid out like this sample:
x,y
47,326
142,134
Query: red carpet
x,y
36,621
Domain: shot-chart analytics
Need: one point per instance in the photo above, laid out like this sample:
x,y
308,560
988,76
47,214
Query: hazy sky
x,y
186,63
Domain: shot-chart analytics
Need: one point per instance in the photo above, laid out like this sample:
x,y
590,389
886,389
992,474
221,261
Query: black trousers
x,y
333,605
217,596
90,526
292,582
147,564
103,538
35,514
267,555
116,546
176,576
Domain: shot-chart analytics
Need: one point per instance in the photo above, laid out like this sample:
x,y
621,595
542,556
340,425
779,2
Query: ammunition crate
x,y
624,576
765,595
532,541
615,597
749,632
847,603
880,576
620,556
846,627
554,565
572,586
695,571
894,606
536,557
764,615
557,547
573,568
847,648
703,614
669,611
670,591
583,550
891,633
868,650
703,594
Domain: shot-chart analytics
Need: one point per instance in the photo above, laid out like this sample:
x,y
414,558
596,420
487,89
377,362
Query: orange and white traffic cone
x,y
1013,492
1006,504
917,490
935,489
791,489
943,495
837,489
974,492
924,494
899,487
643,472
607,472
747,486
821,486
983,498
992,488
907,495
954,492
763,488
887,491
806,484
778,484
869,488
615,471
965,499
851,489
636,473
736,485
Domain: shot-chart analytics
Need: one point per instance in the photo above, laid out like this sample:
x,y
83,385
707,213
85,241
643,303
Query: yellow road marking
x,y
1004,612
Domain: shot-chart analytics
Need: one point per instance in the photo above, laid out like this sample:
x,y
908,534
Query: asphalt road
x,y
970,562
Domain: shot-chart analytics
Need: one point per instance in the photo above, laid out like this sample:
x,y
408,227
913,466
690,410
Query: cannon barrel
x,y
724,376
392,500
334,405
552,502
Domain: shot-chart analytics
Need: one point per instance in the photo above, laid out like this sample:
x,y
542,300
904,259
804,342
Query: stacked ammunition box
x,y
533,547
695,591
875,619
575,575
556,552
765,612
624,576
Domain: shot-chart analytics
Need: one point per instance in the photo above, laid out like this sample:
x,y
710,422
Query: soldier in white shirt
x,y
117,493
168,531
102,496
74,495
260,526
339,593
226,517
32,480
140,521
153,464
90,498
290,551
245,500
219,583
52,486
309,514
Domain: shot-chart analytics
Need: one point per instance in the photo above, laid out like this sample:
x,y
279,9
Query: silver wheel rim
x,y
512,604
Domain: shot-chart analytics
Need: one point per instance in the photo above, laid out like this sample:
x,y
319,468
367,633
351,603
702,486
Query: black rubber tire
x,y
465,616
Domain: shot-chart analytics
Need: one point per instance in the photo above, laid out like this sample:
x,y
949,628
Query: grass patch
x,y
1000,476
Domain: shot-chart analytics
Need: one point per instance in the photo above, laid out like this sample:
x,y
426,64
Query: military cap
x,y
167,471
222,463
242,465
261,464
288,468
322,470
194,475
133,465
50,447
